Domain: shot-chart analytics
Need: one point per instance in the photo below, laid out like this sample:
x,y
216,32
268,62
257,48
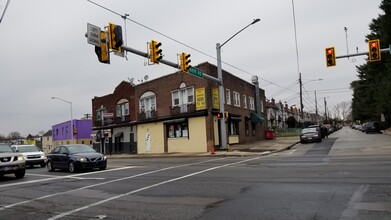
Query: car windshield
x,y
5,149
74,149
28,148
308,130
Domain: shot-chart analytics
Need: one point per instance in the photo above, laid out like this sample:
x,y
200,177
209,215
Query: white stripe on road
x,y
147,187
63,177
71,177
103,183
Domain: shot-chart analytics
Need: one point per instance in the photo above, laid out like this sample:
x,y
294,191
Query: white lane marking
x,y
70,177
148,187
63,177
350,212
103,183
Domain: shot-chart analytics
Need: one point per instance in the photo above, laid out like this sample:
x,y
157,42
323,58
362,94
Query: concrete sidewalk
x,y
258,148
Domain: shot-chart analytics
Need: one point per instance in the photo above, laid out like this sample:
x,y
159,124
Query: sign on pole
x,y
196,72
93,35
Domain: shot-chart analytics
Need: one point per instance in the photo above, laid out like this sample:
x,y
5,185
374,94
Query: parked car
x,y
32,154
11,162
75,157
372,126
310,135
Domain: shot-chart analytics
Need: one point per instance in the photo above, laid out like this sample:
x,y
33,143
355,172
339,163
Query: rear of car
x,y
372,127
11,162
32,154
310,135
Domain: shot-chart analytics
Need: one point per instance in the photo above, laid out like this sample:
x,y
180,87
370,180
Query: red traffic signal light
x,y
374,50
219,115
330,57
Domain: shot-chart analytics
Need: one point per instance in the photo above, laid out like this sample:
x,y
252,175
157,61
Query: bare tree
x,y
346,109
14,135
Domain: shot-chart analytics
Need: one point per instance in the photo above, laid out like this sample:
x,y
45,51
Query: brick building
x,y
176,113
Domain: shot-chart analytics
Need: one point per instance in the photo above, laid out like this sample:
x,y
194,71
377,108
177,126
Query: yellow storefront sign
x,y
200,99
216,104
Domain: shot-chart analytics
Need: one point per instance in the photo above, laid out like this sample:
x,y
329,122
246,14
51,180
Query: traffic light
x,y
185,62
115,37
227,115
103,51
330,57
374,50
219,115
155,54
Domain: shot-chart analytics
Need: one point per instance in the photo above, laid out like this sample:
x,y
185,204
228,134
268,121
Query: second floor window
x,y
148,103
228,96
251,103
244,101
236,99
183,96
100,113
122,108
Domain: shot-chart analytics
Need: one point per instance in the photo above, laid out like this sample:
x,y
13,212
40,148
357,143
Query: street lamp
x,y
223,134
70,103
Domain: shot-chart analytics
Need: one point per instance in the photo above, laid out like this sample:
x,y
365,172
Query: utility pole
x,y
301,98
316,109
325,108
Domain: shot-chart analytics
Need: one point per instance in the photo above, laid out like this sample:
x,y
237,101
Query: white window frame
x,y
182,96
236,98
228,96
244,101
122,109
147,102
251,103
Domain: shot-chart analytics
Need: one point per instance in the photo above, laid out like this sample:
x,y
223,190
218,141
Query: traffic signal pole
x,y
360,54
167,62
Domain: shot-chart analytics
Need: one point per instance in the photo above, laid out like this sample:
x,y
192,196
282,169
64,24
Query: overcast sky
x,y
44,53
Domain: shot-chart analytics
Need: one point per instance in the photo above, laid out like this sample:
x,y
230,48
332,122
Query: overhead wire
x,y
188,46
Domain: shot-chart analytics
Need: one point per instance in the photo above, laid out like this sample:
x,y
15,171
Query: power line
x,y
188,46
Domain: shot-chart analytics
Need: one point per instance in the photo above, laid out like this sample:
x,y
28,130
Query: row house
x,y
176,113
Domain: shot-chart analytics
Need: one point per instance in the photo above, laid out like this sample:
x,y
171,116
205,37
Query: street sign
x,y
93,35
196,72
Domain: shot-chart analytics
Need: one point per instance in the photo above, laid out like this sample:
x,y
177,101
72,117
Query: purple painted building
x,y
82,130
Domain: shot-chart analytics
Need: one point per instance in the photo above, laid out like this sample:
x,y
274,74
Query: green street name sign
x,y
196,72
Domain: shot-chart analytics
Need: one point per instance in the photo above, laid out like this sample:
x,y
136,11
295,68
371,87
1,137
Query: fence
x,y
288,132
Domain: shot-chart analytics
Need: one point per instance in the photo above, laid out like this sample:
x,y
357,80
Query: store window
x,y
177,129
233,127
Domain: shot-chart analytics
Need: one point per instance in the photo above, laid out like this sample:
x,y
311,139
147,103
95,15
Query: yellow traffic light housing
x,y
155,53
185,62
115,37
330,56
103,51
374,50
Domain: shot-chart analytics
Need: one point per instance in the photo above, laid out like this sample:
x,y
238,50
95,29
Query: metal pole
x,y
316,109
325,108
301,98
71,124
223,132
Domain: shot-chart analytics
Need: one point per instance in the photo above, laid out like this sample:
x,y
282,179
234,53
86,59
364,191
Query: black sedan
x,y
75,157
310,135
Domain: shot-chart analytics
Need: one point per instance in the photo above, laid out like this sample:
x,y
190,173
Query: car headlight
x,y
104,157
21,158
82,159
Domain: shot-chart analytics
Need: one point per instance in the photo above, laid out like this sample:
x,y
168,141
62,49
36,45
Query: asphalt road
x,y
347,176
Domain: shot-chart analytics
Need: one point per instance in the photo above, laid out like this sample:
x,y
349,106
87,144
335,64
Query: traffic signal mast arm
x,y
168,63
363,53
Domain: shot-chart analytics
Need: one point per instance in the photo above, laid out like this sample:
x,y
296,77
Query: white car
x,y
32,154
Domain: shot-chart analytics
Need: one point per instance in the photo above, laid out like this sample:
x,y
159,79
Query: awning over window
x,y
256,118
119,134
94,132
179,120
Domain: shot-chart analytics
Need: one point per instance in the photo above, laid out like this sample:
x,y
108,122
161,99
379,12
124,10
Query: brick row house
x,y
176,113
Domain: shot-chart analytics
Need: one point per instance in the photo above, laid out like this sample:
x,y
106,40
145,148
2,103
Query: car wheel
x,y
71,167
20,173
49,166
102,168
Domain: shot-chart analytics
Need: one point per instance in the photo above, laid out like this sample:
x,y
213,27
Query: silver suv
x,y
11,162
32,154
